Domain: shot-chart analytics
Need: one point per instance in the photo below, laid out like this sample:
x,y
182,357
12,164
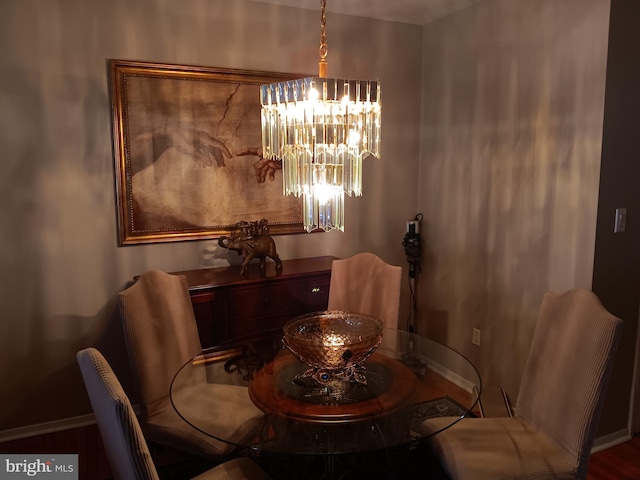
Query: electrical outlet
x,y
476,337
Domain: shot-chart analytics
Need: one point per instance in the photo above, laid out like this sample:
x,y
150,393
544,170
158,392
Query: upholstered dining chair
x,y
161,335
558,406
366,284
123,440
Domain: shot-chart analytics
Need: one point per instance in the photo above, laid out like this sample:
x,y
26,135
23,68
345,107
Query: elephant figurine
x,y
252,240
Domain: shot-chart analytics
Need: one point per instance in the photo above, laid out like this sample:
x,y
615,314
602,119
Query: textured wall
x,y
61,268
513,103
509,153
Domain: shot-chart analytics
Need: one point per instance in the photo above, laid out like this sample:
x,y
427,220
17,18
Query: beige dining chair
x,y
123,440
365,283
561,395
161,335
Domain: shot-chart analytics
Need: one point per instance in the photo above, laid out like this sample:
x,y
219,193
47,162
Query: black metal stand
x,y
412,244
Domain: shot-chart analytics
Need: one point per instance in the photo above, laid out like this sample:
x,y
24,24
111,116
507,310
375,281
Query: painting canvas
x,y
188,156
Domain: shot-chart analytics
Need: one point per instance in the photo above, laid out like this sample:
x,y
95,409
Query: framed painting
x,y
188,153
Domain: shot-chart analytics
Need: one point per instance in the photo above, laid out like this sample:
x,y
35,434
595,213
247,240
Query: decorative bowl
x,y
333,343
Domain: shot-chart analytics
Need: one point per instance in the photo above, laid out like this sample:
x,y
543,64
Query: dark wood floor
x,y
621,462
86,442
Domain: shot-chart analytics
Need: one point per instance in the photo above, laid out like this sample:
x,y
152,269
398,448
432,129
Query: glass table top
x,y
408,379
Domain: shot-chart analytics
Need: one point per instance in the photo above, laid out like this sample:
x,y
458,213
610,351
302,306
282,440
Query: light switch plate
x,y
620,224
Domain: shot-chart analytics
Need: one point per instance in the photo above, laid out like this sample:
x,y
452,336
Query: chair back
x,y
568,369
122,437
366,284
161,334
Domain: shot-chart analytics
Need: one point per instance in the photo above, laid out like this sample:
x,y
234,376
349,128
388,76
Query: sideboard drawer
x,y
267,300
316,292
227,304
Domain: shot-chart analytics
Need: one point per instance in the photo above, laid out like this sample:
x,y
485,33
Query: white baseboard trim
x,y
610,440
52,427
451,376
47,427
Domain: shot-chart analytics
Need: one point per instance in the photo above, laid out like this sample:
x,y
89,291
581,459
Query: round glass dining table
x,y
408,379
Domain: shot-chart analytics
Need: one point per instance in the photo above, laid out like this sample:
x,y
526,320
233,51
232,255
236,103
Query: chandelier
x,y
321,129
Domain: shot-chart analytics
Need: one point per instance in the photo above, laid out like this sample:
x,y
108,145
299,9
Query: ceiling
x,y
418,12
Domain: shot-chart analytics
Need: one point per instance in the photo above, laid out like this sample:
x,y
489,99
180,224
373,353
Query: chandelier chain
x,y
323,38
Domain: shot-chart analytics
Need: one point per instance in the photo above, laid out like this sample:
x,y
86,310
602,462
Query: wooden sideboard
x,y
227,305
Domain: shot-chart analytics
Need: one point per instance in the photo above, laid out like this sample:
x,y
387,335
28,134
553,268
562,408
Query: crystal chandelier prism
x,y
321,129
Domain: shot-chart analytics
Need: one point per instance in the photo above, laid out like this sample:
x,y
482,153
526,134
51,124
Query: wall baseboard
x,y
47,427
610,440
451,376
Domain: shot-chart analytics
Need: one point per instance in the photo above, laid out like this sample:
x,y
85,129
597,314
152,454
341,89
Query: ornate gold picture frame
x,y
188,156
